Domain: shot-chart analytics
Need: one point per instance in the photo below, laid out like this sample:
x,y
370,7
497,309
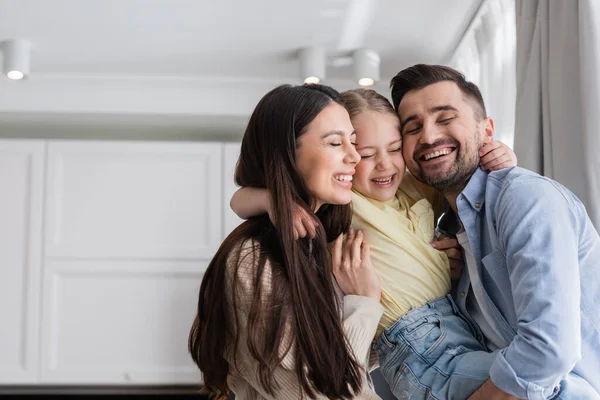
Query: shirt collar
x,y
474,192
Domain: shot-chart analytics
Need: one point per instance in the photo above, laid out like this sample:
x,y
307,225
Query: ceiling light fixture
x,y
16,54
366,67
312,64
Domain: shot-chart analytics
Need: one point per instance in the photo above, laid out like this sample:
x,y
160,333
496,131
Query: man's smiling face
x,y
442,132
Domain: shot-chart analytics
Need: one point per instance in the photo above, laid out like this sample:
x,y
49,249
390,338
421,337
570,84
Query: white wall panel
x,y
231,152
134,200
119,322
21,199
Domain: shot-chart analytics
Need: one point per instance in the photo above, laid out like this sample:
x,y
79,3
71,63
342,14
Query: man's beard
x,y
455,178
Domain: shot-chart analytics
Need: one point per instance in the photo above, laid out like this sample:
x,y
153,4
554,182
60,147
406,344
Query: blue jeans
x,y
431,353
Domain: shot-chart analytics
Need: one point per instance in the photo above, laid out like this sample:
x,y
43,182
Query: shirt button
x,y
477,205
463,294
478,338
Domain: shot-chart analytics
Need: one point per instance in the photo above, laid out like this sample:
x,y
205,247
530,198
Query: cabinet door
x,y
137,200
21,198
130,228
231,152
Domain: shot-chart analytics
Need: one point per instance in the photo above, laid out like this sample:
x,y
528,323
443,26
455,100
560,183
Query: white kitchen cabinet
x,y
102,249
133,200
231,152
119,322
130,227
21,199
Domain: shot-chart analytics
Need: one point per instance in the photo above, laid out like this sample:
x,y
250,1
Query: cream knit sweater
x,y
360,317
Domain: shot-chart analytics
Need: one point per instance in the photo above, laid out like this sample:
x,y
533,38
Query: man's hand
x,y
489,391
453,251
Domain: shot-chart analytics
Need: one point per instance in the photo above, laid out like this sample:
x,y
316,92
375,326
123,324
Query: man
x,y
531,286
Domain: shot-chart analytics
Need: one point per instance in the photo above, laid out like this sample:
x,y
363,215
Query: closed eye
x,y
412,131
367,156
446,120
396,150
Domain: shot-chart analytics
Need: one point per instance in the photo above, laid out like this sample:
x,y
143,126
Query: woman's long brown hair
x,y
302,298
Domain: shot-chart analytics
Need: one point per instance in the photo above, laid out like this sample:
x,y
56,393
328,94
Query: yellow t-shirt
x,y
399,233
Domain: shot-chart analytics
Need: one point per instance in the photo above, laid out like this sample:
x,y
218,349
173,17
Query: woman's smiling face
x,y
326,157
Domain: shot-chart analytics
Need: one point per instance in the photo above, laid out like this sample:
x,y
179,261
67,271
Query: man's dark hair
x,y
421,75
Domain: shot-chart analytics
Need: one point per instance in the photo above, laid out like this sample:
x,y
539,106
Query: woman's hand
x,y
496,155
352,266
453,251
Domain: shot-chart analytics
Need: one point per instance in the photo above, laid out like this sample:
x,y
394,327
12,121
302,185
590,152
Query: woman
x,y
268,323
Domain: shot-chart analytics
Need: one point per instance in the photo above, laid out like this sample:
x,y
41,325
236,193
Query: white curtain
x,y
487,56
557,133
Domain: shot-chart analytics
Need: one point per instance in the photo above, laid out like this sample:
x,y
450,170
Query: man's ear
x,y
487,126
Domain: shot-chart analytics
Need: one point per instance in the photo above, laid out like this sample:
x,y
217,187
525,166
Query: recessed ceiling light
x,y
366,82
366,67
16,54
15,75
312,64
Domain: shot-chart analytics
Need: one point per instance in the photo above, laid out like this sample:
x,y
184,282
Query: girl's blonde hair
x,y
360,100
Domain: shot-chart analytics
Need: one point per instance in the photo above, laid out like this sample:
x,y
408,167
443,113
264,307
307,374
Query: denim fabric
x,y
431,353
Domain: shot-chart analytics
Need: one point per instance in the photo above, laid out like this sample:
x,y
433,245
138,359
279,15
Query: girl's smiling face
x,y
379,143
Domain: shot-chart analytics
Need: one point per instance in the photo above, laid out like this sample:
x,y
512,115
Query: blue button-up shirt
x,y
538,261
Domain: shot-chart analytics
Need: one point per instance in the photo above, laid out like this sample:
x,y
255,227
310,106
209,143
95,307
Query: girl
x,y
397,214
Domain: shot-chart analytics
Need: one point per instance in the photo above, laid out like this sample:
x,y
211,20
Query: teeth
x,y
437,154
343,178
382,181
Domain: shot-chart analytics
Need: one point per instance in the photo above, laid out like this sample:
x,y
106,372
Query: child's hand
x,y
304,223
352,266
455,257
496,155
248,202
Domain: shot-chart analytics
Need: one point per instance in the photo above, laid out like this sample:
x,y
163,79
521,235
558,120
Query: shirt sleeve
x,y
538,225
360,317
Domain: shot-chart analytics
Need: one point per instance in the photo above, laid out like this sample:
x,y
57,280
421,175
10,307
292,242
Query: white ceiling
x,y
232,40
256,38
